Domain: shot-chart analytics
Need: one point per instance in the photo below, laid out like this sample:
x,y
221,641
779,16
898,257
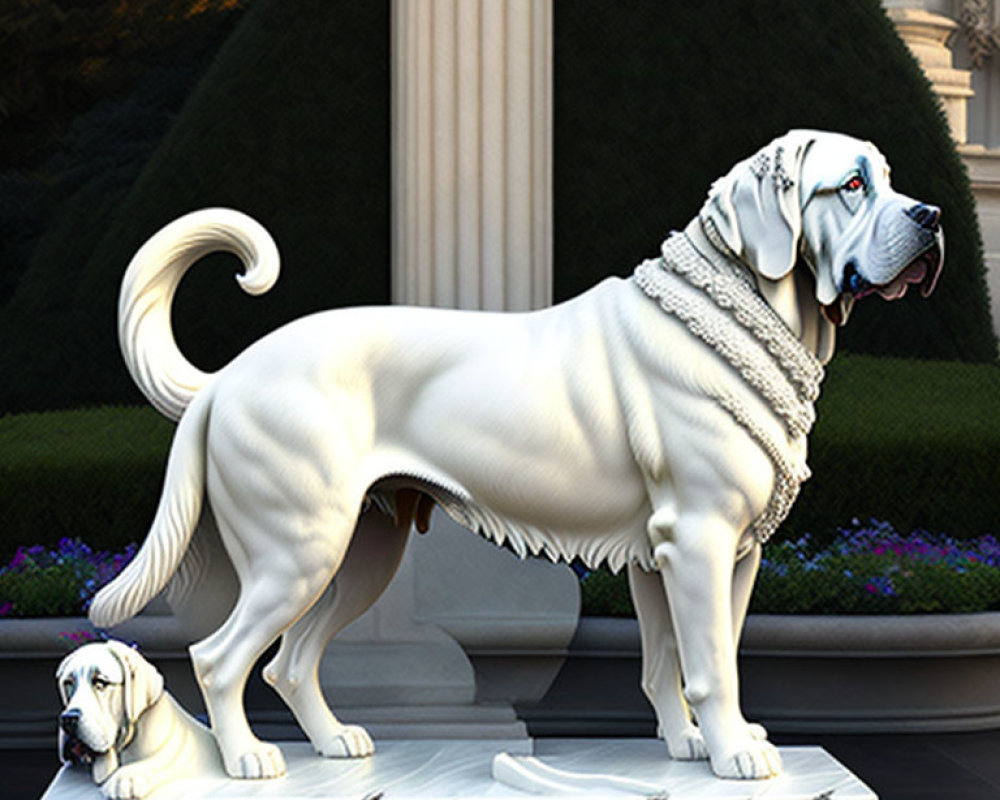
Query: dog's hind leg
x,y
370,563
661,667
283,569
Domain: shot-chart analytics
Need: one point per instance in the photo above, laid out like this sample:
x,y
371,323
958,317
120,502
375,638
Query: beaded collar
x,y
728,315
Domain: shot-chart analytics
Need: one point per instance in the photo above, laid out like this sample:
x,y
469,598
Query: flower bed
x,y
41,582
867,569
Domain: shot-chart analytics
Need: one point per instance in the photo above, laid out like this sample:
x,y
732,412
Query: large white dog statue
x,y
657,423
118,719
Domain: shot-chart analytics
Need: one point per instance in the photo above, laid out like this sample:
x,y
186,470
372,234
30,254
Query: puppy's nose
x,y
925,216
69,721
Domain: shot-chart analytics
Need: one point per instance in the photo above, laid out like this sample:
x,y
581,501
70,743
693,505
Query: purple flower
x,y
71,567
78,637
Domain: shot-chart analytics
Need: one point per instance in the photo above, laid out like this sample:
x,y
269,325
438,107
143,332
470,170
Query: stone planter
x,y
801,674
513,663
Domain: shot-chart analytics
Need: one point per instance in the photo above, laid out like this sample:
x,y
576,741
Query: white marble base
x,y
411,769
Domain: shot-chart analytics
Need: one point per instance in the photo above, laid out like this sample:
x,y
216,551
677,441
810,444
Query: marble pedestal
x,y
464,769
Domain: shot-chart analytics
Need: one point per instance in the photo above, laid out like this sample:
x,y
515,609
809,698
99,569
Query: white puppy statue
x,y
656,423
118,719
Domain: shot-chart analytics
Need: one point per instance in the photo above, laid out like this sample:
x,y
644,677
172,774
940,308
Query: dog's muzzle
x,y
73,749
909,250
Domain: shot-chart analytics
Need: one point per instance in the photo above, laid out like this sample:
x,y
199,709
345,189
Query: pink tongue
x,y
912,274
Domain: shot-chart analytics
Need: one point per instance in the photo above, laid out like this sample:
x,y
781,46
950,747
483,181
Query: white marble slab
x,y
404,769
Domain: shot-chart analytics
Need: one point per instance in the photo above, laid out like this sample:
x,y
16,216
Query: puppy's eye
x,y
68,686
100,684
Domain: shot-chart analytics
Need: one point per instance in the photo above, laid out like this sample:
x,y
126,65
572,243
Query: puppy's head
x,y
827,197
105,687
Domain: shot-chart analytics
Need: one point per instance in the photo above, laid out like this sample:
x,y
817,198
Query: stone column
x,y
471,229
928,35
472,153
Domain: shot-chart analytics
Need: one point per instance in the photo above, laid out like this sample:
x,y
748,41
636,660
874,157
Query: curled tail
x,y
157,366
171,384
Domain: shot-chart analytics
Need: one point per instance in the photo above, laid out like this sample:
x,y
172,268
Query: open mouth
x,y
923,270
76,752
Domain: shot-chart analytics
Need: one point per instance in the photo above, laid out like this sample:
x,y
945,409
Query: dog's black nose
x,y
853,281
69,721
925,216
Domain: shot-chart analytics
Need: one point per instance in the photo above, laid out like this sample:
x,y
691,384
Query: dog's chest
x,y
750,366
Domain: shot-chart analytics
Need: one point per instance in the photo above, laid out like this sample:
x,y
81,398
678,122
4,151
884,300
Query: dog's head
x,y
105,687
827,198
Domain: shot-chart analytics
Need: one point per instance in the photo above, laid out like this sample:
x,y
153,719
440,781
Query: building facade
x,y
957,44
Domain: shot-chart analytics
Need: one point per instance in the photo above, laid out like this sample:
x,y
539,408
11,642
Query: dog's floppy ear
x,y
143,682
60,673
756,208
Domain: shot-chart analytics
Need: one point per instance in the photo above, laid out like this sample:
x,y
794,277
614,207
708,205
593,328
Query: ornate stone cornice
x,y
976,20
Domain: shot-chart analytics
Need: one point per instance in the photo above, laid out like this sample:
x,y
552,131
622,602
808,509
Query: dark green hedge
x,y
913,443
93,474
290,124
654,100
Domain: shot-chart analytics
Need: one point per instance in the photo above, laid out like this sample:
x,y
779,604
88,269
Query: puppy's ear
x,y
60,675
143,682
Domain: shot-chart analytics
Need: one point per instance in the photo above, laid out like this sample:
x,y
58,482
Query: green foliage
x,y
94,474
606,595
290,124
58,57
41,582
42,591
871,569
654,101
867,569
914,442
917,443
66,201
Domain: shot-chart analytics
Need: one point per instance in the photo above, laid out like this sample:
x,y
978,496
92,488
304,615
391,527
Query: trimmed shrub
x,y
916,443
654,101
94,474
65,202
290,124
911,442
54,583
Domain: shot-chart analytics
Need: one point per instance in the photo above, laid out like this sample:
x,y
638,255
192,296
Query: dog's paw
x,y
349,741
127,784
686,745
753,761
263,761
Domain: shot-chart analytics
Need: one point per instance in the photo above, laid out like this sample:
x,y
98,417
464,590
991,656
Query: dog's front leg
x,y
661,667
131,782
744,576
696,556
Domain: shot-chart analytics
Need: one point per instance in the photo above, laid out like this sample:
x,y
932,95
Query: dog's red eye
x,y
854,184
